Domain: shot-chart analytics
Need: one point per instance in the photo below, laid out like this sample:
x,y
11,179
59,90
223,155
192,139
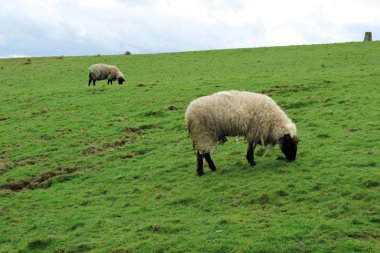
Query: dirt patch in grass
x,y
23,163
133,129
56,135
307,102
119,143
3,167
46,137
3,118
284,89
40,181
184,201
129,156
134,154
92,150
40,112
282,193
96,91
64,132
172,108
118,118
111,146
298,105
30,161
153,113
141,128
323,136
128,139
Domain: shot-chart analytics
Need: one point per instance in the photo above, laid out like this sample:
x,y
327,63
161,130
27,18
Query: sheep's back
x,y
100,71
233,113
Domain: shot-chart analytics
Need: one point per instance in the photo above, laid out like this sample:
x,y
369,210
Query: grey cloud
x,y
55,27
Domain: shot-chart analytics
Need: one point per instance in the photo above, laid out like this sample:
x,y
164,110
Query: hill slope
x,y
111,168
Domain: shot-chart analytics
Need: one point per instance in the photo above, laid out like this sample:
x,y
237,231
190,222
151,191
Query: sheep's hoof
x,y
212,168
252,163
200,173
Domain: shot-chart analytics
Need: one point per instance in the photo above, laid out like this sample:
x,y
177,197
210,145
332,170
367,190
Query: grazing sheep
x,y
257,117
104,71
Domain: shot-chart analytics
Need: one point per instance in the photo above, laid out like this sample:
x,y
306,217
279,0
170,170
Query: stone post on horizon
x,y
368,36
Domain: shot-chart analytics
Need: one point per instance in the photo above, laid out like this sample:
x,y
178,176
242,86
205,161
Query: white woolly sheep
x,y
257,117
104,71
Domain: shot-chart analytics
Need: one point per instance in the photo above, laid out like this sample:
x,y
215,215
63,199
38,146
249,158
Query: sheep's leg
x,y
249,156
211,164
89,79
199,164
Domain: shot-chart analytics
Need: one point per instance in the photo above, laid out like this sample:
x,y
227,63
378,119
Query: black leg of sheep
x,y
89,82
249,156
90,79
211,164
200,164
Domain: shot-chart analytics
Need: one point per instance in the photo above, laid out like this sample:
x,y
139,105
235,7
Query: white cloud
x,y
82,27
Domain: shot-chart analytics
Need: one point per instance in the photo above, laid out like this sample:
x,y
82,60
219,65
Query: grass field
x,y
111,168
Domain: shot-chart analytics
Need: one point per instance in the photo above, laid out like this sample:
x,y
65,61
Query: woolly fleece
x,y
236,113
104,71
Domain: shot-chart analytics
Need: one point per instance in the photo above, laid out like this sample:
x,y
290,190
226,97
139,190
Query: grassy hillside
x,y
111,168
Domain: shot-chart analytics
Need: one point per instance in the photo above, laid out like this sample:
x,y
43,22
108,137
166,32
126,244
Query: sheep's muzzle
x,y
120,80
289,147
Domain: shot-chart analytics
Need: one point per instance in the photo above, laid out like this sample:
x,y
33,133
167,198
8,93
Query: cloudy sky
x,y
90,27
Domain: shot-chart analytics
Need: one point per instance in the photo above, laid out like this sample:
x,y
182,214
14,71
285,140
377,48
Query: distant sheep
x,y
257,117
104,71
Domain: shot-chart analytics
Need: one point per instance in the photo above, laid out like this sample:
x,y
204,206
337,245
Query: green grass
x,y
111,168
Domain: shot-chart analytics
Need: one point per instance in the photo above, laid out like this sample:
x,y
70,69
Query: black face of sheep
x,y
120,80
289,147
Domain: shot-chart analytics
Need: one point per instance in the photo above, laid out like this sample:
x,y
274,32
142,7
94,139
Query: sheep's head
x,y
288,146
120,80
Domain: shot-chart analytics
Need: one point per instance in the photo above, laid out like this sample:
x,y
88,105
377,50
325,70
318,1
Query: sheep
x,y
104,71
257,117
